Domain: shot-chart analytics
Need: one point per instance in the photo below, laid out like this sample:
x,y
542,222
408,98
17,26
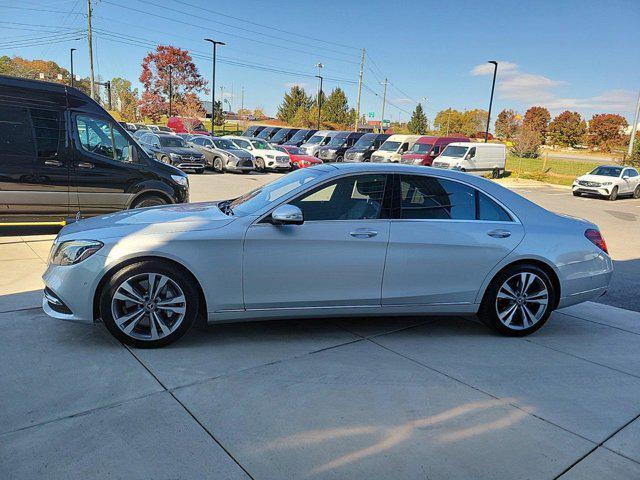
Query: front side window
x,y
425,197
357,197
632,173
472,152
198,141
100,138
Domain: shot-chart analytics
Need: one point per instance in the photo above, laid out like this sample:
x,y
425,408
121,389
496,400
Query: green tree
x,y
124,99
336,108
418,125
537,119
292,101
302,118
467,123
567,129
507,124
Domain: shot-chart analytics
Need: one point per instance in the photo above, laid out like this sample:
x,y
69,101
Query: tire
x,y
516,320
199,171
614,194
339,159
463,170
148,201
137,330
577,194
495,173
260,164
636,192
165,159
217,165
245,172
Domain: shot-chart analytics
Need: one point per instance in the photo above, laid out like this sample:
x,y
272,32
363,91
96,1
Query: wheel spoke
x,y
130,293
506,294
526,279
125,318
151,278
176,309
153,329
134,322
530,317
163,326
161,284
507,316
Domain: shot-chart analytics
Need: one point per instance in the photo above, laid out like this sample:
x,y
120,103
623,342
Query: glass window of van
x,y
16,137
100,138
389,146
420,148
315,139
49,130
454,151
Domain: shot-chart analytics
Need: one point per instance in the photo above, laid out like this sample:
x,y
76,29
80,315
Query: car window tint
x,y
16,136
356,197
633,173
490,211
49,130
425,197
197,141
100,138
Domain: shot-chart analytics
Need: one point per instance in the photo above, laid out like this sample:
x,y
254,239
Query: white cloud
x,y
534,89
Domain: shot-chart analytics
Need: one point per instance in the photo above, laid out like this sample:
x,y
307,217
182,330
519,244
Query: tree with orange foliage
x,y
606,131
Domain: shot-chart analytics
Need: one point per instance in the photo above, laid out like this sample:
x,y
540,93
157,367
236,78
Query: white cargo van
x,y
393,148
319,139
474,157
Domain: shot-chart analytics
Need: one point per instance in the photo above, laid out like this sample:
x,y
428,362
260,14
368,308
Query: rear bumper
x,y
582,281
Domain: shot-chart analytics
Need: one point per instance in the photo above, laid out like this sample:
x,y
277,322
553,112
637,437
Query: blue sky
x,y
579,55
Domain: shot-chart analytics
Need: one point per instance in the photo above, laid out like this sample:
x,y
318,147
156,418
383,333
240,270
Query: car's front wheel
x,y
614,194
217,165
149,304
518,301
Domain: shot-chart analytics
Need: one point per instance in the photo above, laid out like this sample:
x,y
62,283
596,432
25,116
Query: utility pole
x,y
242,99
319,77
170,67
355,129
214,43
108,85
71,53
384,101
222,100
89,38
634,129
493,86
448,120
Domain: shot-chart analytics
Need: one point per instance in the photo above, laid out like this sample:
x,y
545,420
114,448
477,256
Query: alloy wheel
x,y
522,301
148,306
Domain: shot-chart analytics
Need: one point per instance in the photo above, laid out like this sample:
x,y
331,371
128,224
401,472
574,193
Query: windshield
x,y
294,150
172,141
265,133
365,141
454,151
261,145
607,171
261,197
338,140
299,135
315,139
420,148
389,146
242,143
224,144
280,135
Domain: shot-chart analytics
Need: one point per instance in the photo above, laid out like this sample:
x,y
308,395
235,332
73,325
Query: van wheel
x,y
149,304
518,301
495,173
148,201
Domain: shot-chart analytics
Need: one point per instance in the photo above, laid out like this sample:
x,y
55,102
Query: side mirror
x,y
287,215
625,177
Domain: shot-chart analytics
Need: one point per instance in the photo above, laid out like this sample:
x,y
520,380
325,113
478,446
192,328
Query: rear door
x,y
103,175
444,239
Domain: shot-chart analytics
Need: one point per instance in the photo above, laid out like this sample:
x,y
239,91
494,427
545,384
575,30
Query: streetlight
x,y
319,77
71,54
170,68
493,86
213,80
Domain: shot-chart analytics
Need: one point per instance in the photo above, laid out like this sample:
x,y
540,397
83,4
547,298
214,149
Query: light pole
x,y
71,54
170,68
213,81
493,86
319,77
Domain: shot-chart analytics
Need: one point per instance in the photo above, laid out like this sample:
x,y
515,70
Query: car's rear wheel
x,y
614,194
148,201
149,304
518,301
636,192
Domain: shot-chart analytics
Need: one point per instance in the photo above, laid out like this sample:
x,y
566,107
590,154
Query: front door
x,y
335,258
448,236
104,172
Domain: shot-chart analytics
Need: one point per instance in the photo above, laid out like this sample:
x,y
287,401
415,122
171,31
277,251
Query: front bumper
x,y
240,165
604,191
190,165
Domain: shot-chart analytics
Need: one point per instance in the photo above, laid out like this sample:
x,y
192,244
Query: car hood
x,y
597,178
147,221
238,152
182,151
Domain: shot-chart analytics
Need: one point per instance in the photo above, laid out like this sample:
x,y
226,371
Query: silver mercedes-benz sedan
x,y
332,240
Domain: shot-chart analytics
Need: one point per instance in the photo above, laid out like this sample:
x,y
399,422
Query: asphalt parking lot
x,y
435,397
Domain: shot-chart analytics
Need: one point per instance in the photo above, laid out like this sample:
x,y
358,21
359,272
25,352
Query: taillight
x,y
596,238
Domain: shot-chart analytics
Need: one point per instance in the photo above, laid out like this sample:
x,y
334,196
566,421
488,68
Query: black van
x,y
268,133
300,137
253,130
283,135
334,150
364,147
61,153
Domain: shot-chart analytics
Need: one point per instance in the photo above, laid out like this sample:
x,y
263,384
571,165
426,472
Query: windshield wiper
x,y
225,207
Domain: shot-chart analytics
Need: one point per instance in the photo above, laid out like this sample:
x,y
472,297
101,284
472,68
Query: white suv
x,y
609,181
266,156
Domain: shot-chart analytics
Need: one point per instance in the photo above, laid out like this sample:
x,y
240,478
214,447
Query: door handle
x,y
363,233
499,233
53,163
85,165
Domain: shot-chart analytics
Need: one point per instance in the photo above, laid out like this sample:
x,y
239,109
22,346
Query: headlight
x,y
180,180
270,156
606,183
174,155
73,251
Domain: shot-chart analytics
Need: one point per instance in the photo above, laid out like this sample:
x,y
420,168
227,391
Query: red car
x,y
427,148
187,125
298,158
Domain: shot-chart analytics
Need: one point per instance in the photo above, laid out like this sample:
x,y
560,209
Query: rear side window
x,y
490,211
425,197
16,136
49,128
